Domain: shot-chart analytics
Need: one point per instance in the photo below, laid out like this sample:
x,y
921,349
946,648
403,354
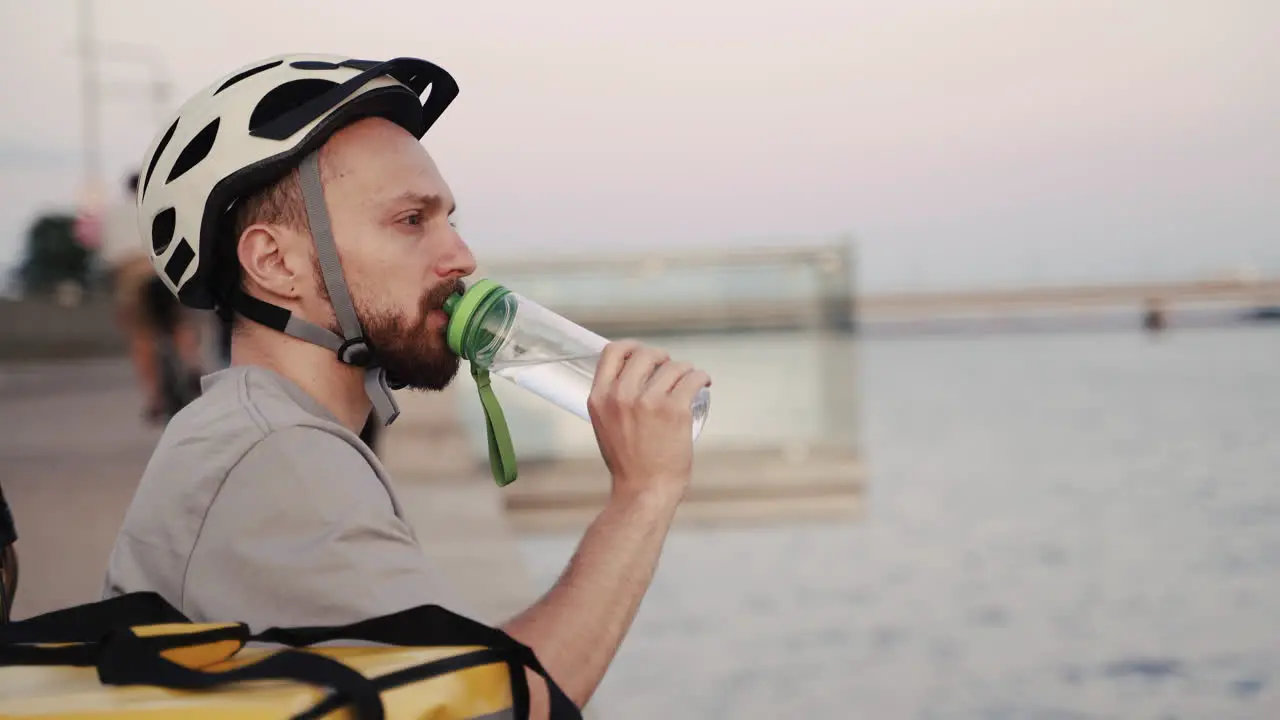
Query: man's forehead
x,y
387,163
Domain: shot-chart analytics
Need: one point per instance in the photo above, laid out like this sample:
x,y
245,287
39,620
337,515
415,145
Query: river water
x,y
1057,526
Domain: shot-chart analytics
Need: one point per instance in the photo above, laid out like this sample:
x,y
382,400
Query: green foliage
x,y
53,254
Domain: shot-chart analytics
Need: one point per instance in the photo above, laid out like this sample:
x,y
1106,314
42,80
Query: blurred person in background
x,y
142,313
8,559
295,193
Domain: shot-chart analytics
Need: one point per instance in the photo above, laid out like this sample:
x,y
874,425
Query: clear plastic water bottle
x,y
503,333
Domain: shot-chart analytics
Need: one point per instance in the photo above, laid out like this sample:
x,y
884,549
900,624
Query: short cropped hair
x,y
278,203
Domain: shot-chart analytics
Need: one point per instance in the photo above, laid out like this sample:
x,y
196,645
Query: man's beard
x,y
413,355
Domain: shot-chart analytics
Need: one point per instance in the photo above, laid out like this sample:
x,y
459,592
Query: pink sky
x,y
974,142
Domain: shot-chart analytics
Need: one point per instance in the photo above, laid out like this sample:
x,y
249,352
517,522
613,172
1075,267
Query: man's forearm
x,y
577,627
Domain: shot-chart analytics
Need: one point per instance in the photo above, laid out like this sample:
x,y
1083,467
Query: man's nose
x,y
458,262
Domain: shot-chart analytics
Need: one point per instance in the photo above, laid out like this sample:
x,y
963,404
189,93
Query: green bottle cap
x,y
478,318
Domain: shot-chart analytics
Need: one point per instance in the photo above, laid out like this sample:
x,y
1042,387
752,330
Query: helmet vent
x,y
162,227
286,97
195,151
246,74
155,158
313,65
179,261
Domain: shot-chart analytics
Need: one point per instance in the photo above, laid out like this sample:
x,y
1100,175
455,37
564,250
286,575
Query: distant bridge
x,y
843,313
787,288
1241,293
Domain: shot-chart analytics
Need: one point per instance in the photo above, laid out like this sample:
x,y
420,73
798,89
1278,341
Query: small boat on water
x,y
1264,314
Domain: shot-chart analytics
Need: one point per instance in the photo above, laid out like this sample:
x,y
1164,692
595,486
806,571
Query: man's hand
x,y
640,407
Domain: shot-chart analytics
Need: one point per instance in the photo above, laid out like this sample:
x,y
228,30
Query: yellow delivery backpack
x,y
136,656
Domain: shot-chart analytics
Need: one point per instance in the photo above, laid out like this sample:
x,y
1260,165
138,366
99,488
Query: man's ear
x,y
266,261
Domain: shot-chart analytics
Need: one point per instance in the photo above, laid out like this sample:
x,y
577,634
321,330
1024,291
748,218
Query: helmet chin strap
x,y
356,350
351,347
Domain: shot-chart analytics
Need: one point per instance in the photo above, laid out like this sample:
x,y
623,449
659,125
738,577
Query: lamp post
x,y
89,216
91,52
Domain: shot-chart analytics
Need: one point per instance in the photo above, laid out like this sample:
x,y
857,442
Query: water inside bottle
x,y
567,383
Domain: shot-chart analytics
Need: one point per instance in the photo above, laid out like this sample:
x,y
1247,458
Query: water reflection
x,y
1040,542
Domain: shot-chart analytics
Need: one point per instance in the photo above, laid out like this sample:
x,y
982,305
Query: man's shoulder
x,y
252,446
257,396
242,410
244,424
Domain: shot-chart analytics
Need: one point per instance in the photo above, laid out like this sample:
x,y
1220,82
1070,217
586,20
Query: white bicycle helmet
x,y
247,130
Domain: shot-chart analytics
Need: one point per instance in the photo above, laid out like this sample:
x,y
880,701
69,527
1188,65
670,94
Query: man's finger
x,y
686,389
667,376
612,359
638,369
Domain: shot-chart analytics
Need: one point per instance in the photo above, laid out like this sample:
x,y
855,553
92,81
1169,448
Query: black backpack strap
x,y
75,636
75,655
432,625
127,659
414,674
92,622
103,634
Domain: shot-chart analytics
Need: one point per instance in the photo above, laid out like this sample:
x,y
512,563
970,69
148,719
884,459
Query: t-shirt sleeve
x,y
304,533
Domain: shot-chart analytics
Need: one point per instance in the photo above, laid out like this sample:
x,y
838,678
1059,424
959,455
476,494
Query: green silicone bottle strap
x,y
502,454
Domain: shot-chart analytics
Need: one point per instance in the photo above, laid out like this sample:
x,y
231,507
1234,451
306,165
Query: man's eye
x,y
414,219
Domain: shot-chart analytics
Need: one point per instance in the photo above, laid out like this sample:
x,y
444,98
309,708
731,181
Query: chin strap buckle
x,y
360,353
357,352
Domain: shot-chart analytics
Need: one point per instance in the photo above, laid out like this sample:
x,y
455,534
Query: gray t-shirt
x,y
259,506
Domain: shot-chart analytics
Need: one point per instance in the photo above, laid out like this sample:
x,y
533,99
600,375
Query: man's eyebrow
x,y
430,204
